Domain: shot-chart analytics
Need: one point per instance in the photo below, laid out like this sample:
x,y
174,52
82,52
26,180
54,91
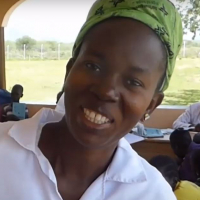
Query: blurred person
x,y
190,119
196,138
185,149
16,95
184,190
5,97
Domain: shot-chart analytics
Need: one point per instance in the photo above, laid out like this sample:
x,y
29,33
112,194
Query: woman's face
x,y
112,83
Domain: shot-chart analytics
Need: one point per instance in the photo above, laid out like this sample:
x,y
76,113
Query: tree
x,y
190,13
25,40
52,45
11,44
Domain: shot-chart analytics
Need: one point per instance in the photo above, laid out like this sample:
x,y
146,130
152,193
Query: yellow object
x,y
186,190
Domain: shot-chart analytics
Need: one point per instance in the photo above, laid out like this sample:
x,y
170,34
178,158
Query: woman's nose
x,y
106,90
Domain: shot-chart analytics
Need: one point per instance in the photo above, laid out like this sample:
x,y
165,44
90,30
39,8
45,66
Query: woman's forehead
x,y
121,25
123,38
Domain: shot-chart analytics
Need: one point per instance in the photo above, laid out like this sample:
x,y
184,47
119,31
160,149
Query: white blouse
x,y
25,173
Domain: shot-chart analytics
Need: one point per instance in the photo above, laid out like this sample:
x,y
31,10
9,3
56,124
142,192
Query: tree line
x,y
29,48
190,13
34,49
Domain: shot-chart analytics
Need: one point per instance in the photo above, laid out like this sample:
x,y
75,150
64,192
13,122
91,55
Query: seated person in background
x,y
196,138
184,190
5,97
16,95
196,161
183,146
190,118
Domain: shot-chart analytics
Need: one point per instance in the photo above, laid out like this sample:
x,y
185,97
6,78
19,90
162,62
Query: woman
x,y
122,61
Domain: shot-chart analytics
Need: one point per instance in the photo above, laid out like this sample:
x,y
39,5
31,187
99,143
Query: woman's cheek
x,y
136,105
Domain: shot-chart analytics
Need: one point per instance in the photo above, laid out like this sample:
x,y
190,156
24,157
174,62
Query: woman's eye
x,y
93,67
134,83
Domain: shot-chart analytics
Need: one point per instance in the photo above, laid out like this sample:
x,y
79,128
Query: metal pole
x,y
184,49
58,51
8,52
41,55
24,52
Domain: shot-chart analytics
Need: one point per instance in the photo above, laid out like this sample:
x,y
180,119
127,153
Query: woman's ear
x,y
155,102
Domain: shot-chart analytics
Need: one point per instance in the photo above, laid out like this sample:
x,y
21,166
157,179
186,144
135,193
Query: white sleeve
x,y
5,127
184,120
159,187
166,193
164,190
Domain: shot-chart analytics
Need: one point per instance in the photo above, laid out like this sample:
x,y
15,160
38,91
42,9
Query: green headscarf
x,y
160,15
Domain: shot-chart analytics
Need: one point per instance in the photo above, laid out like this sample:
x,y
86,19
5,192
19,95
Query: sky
x,y
58,20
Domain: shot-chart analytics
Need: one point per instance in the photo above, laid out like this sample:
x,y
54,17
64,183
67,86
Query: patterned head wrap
x,y
160,15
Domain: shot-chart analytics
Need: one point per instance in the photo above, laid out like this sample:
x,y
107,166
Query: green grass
x,y
184,87
42,80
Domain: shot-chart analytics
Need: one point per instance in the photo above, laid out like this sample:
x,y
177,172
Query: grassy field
x,y
42,80
184,87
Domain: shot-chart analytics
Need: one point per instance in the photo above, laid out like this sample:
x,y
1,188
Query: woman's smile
x,y
95,117
95,120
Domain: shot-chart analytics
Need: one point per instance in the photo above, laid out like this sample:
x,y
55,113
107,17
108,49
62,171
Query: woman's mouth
x,y
95,117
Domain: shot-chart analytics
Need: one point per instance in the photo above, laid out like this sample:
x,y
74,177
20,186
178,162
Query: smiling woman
x,y
122,62
113,78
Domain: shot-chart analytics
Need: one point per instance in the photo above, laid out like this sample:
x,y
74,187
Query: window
x,y
184,87
39,40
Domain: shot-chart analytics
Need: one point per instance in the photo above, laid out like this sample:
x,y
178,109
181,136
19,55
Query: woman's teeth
x,y
95,117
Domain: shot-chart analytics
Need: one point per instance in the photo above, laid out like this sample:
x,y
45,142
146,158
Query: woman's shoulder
x,y
136,175
5,127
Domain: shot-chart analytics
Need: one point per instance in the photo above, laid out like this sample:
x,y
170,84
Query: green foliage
x,y
25,40
190,13
192,44
37,50
11,44
49,50
51,45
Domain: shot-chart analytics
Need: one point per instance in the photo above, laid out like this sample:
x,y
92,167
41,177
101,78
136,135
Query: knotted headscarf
x,y
160,15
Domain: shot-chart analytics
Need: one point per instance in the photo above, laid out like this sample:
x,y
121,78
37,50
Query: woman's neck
x,y
71,159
